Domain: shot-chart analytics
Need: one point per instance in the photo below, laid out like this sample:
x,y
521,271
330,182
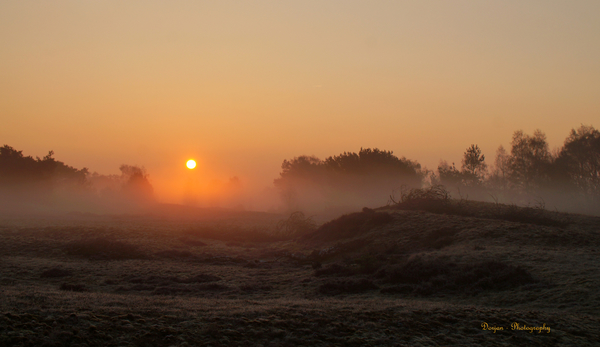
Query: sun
x,y
191,164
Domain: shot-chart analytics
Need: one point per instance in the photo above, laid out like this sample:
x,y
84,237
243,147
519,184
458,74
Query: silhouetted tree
x,y
449,175
136,182
17,169
473,166
529,160
579,159
361,176
501,170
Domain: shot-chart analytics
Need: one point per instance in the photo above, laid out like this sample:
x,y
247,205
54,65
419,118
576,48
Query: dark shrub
x,y
295,225
73,287
433,199
439,239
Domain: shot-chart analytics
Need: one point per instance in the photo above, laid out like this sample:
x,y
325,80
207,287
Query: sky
x,y
242,85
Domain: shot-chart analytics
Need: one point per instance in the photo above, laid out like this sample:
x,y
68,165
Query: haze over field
x,y
241,87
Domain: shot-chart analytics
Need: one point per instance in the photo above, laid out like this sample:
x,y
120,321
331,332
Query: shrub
x,y
295,225
434,199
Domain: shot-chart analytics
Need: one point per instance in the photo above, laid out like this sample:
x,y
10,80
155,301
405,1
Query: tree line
x,y
567,178
47,184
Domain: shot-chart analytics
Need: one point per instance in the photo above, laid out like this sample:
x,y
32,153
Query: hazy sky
x,y
242,85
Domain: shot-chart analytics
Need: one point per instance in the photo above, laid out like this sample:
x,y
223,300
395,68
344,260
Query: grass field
x,y
388,276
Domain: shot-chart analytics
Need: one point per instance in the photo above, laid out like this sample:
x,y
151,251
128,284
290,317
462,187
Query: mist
x,y
46,186
526,174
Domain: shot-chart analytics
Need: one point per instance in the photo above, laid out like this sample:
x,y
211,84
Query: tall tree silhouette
x,y
579,159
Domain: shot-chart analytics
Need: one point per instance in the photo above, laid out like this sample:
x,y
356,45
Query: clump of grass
x,y
437,239
105,249
433,199
436,199
73,287
430,277
531,215
296,224
347,287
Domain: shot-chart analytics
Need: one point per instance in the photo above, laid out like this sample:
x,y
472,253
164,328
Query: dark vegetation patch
x,y
104,249
435,239
172,285
347,226
233,234
256,288
185,289
73,287
335,270
347,287
56,273
436,199
167,280
297,224
429,277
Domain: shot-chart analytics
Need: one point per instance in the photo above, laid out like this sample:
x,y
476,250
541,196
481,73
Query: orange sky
x,y
240,86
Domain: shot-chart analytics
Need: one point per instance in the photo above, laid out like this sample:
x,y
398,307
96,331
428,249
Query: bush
x,y
432,199
295,225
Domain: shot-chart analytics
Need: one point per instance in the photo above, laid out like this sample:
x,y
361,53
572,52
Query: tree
x,y
449,176
136,182
501,170
346,179
473,165
529,160
579,159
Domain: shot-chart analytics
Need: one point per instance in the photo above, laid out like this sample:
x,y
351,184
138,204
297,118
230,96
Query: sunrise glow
x,y
191,164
